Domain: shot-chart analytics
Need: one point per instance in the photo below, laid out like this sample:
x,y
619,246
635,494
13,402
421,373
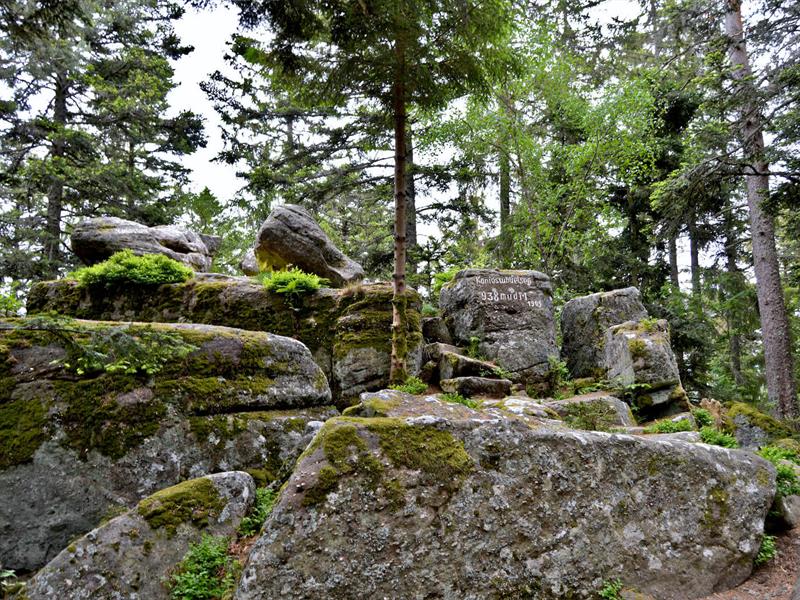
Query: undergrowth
x,y
125,267
207,572
412,385
458,399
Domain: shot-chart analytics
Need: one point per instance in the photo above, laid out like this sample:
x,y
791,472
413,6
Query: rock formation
x,y
95,240
290,236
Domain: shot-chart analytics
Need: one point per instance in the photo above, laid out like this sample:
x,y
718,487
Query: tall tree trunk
x,y
397,372
772,309
674,275
505,209
735,278
55,191
411,205
694,261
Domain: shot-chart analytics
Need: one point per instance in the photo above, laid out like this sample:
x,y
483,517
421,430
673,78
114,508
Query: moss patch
x,y
22,430
769,424
209,395
591,416
193,501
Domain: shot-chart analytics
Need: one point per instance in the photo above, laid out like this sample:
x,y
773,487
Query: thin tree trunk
x,y
55,191
772,309
735,277
411,205
674,275
397,366
694,259
505,209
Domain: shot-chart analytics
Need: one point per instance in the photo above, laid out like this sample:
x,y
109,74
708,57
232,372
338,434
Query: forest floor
x,y
774,580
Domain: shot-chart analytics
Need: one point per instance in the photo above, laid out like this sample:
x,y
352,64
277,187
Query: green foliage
x,y
458,399
429,310
9,584
412,385
252,523
669,426
125,267
767,551
293,283
502,373
207,572
10,304
441,279
702,417
473,347
710,435
611,590
787,481
557,376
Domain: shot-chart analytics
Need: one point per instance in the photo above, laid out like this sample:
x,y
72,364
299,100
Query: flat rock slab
x,y
434,330
584,321
594,411
485,507
95,240
453,365
132,555
509,313
477,387
291,236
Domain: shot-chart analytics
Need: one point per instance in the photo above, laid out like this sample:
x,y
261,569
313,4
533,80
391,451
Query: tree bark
x,y
674,275
772,309
505,209
694,260
397,373
411,205
735,278
55,191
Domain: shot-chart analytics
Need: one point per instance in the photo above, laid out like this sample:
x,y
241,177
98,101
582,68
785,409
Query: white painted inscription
x,y
510,295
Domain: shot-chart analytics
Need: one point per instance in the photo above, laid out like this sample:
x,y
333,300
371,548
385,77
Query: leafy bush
x,y
786,479
669,426
713,436
126,267
293,282
472,348
611,590
442,279
205,573
412,385
429,310
767,551
458,399
702,417
251,524
10,304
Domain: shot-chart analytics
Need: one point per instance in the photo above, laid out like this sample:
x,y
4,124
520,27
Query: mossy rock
x,y
194,501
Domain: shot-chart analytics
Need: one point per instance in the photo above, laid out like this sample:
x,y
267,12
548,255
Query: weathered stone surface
x,y
290,236
433,351
132,555
788,511
74,447
249,265
482,506
639,352
339,327
753,428
584,321
477,386
511,314
95,240
434,330
453,365
598,411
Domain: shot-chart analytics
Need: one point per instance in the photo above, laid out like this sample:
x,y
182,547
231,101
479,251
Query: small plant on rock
x,y
611,590
206,572
710,435
125,267
293,282
669,426
458,399
767,551
412,385
786,480
251,524
702,417
442,279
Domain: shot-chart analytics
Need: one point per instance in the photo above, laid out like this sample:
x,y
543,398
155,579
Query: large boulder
x,y
131,556
95,240
638,355
596,411
78,445
348,331
290,236
584,321
449,502
507,315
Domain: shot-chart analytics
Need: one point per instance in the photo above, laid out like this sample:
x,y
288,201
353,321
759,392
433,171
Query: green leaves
x,y
293,282
127,268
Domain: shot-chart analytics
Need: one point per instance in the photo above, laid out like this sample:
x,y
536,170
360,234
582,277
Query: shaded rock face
x,y
290,236
511,314
639,353
131,556
347,331
584,322
597,411
435,330
453,503
481,387
95,240
76,447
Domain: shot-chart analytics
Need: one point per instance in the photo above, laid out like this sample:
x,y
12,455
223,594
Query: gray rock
x,y
511,315
433,351
470,505
749,434
596,411
80,446
788,507
434,329
249,265
639,352
95,240
477,386
131,556
290,236
584,321
457,365
692,437
521,406
796,590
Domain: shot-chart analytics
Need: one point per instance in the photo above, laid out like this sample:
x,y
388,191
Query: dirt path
x,y
773,581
